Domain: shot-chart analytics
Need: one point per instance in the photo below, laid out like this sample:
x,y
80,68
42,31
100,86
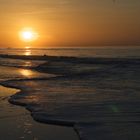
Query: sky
x,y
71,22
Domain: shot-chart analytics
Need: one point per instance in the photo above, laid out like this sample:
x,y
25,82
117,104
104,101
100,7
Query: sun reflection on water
x,y
28,64
27,51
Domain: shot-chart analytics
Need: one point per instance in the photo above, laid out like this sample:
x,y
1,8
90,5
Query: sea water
x,y
99,51
99,98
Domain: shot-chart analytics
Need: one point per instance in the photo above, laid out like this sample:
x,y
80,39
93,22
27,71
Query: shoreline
x,y
24,105
28,125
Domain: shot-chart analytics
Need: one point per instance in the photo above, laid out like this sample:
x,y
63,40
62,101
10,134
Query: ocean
x,y
93,89
106,51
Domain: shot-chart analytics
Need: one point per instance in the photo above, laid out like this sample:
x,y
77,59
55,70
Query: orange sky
x,y
71,22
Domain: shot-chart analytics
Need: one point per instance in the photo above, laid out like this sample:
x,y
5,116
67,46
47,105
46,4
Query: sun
x,y
28,35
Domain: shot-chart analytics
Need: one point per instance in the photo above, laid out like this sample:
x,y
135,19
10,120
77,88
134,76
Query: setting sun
x,y
28,35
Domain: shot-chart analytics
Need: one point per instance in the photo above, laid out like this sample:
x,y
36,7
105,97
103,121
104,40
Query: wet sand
x,y
16,123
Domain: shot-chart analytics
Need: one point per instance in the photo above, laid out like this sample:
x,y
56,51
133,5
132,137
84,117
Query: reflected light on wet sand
x,y
26,73
7,91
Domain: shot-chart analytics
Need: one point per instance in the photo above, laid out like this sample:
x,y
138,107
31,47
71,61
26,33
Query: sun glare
x,y
28,35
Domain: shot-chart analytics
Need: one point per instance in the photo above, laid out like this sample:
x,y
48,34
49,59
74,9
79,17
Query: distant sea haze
x,y
111,52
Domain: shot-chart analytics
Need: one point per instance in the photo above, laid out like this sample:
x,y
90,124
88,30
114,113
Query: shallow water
x,y
16,123
19,63
7,73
